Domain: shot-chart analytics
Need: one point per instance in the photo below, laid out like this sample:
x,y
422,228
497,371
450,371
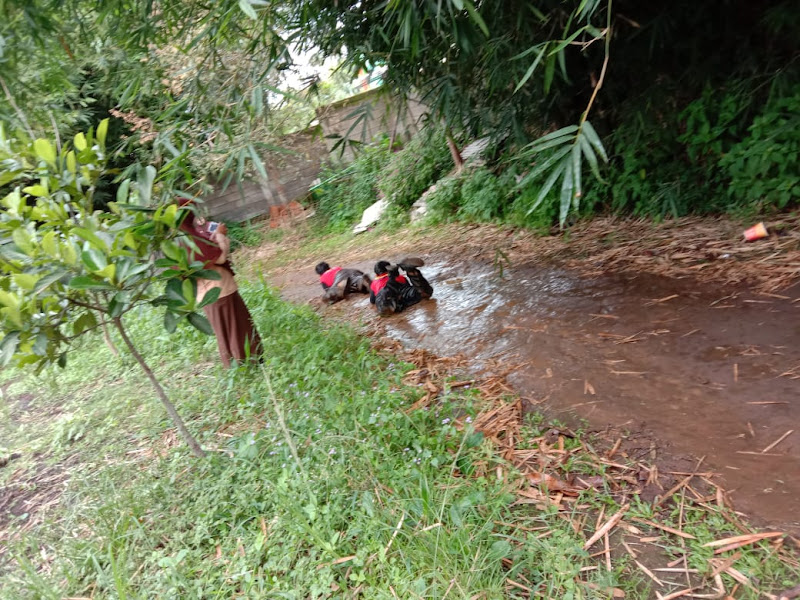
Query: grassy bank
x,y
334,472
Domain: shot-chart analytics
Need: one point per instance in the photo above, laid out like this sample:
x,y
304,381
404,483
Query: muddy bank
x,y
699,370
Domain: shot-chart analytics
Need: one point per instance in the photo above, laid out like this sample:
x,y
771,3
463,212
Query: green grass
x,y
318,484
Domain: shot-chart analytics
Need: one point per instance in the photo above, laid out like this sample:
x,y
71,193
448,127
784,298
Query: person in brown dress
x,y
237,337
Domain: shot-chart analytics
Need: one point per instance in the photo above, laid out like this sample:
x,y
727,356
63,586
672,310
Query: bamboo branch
x,y
16,108
603,70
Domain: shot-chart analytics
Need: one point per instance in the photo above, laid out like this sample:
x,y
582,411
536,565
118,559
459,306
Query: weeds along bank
x,y
727,147
330,475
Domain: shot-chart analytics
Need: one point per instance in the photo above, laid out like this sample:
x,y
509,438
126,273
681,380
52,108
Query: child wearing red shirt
x,y
338,282
391,293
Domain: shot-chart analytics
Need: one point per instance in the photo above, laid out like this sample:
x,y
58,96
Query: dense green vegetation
x,y
695,102
698,109
728,151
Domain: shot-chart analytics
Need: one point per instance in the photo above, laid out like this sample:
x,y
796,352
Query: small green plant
x,y
245,234
484,197
68,269
541,220
416,167
344,193
444,199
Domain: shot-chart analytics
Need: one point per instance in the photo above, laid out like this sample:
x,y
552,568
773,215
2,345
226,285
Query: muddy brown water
x,y
698,368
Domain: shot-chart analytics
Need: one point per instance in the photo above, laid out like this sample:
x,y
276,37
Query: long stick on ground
x,y
176,418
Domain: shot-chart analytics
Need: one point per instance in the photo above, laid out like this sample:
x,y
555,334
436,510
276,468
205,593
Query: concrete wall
x,y
290,175
364,118
360,118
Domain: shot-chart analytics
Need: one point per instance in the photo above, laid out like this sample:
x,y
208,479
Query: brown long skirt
x,y
234,329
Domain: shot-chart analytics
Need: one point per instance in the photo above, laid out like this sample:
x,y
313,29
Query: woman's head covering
x,y
208,251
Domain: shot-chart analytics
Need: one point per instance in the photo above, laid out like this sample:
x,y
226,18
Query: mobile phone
x,y
212,226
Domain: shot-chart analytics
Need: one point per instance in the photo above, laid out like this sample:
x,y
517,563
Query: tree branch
x,y
603,70
20,114
176,419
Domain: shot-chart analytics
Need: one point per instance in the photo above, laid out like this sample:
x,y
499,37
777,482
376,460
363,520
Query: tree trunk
x,y
193,445
455,153
109,342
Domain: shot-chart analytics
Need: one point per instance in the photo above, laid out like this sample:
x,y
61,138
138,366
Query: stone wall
x,y
290,174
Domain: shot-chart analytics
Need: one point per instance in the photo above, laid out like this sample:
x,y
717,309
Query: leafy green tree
x,y
68,269
207,74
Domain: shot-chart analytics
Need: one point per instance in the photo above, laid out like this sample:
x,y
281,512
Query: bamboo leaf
x,y
543,167
567,188
537,147
548,185
569,129
531,69
476,17
248,9
549,71
564,43
257,162
590,156
576,174
594,140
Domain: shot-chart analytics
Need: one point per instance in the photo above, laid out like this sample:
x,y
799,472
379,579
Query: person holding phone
x,y
237,337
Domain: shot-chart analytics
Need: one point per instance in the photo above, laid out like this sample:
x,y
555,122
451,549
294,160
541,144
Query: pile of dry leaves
x,y
546,482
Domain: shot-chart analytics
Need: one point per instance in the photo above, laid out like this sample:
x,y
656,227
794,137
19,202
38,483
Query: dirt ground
x,y
680,338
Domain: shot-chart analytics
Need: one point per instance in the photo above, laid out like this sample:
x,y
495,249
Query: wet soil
x,y
690,370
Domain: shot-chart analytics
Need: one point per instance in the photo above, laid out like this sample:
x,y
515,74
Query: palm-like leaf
x,y
568,148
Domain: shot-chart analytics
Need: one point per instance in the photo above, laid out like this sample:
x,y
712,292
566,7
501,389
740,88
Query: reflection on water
x,y
660,354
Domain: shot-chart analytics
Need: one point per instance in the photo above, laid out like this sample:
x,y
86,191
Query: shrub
x,y
484,197
345,193
763,168
444,200
732,148
416,167
542,219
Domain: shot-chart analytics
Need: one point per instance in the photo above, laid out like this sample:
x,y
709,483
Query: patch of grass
x,y
313,461
246,233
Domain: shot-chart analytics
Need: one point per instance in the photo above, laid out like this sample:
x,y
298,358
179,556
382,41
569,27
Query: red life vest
x,y
328,277
380,282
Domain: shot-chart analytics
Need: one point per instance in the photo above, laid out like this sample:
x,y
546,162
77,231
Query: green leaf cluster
x,y
67,268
